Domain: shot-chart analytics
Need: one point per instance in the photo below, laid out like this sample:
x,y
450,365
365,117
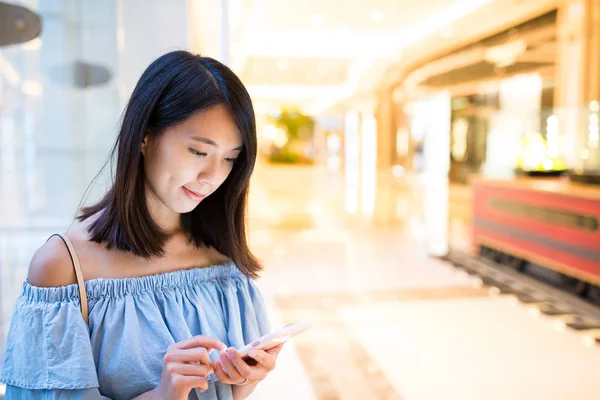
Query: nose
x,y
209,174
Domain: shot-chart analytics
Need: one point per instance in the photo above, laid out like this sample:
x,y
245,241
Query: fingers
x,y
258,372
222,375
188,355
201,341
229,368
275,350
264,358
190,382
250,361
188,369
244,369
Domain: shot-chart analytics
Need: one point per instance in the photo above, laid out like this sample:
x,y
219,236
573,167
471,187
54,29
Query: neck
x,y
167,220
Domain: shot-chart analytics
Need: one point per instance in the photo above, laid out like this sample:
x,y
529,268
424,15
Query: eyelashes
x,y
197,153
230,160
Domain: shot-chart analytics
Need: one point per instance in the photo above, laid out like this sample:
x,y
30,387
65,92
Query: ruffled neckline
x,y
119,287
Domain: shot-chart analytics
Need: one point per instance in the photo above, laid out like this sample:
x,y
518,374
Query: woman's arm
x,y
242,392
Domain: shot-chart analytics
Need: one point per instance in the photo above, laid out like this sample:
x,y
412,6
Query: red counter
x,y
550,222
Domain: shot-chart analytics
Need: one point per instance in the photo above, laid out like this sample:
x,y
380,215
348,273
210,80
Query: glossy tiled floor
x,y
389,322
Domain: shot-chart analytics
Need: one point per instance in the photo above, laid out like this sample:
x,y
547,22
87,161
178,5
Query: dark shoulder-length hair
x,y
175,86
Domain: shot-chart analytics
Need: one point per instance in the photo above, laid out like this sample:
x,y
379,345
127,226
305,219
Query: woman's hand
x,y
235,370
186,366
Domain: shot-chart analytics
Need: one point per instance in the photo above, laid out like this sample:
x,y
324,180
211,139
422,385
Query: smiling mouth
x,y
193,195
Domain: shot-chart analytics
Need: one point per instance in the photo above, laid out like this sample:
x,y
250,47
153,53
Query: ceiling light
x,y
505,54
377,15
317,19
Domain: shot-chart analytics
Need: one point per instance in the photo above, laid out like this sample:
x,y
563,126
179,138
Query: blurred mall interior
x,y
423,165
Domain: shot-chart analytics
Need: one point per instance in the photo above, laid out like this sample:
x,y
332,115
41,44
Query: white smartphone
x,y
273,339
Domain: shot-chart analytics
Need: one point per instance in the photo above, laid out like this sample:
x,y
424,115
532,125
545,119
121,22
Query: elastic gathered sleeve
x,y
48,345
17,393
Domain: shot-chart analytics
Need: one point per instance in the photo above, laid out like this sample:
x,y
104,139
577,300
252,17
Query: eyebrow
x,y
213,143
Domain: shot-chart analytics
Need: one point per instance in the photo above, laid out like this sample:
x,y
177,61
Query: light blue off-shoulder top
x,y
52,354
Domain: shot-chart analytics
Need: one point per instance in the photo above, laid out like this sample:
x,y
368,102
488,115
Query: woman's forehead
x,y
214,126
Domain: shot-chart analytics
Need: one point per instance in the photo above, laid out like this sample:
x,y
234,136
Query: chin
x,y
186,206
186,209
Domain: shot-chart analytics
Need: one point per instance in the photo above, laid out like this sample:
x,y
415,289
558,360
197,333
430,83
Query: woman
x,y
168,273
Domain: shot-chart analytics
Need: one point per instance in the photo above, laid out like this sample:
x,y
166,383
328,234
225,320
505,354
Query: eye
x,y
197,153
231,160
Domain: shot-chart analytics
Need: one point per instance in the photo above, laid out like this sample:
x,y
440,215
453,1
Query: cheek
x,y
182,172
168,169
152,167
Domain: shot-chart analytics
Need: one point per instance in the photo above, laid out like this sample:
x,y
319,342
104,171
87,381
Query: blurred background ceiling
x,y
316,54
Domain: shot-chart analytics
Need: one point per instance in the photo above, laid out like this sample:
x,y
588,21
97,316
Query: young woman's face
x,y
191,160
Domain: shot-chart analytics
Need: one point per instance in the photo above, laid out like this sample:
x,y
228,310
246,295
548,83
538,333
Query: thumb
x,y
275,350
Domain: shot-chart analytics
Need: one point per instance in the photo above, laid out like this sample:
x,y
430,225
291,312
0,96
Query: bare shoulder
x,y
51,265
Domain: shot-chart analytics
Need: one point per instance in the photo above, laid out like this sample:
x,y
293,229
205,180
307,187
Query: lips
x,y
193,195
